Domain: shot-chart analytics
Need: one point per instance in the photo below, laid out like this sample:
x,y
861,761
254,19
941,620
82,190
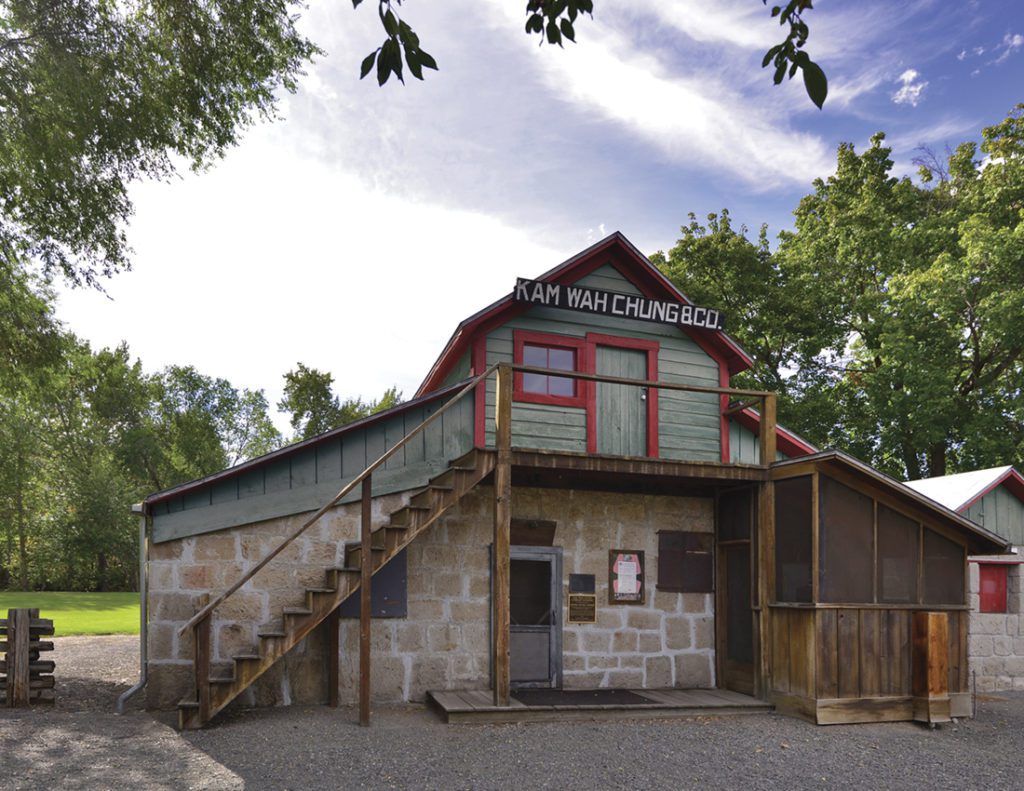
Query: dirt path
x,y
81,744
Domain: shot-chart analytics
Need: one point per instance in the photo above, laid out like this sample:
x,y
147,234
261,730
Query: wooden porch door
x,y
735,614
535,607
621,409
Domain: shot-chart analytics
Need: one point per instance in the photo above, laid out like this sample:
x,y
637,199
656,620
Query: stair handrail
x,y
209,608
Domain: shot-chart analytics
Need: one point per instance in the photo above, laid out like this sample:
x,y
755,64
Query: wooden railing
x,y
200,623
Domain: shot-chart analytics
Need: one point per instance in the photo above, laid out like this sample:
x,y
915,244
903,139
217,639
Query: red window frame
x,y
992,587
522,338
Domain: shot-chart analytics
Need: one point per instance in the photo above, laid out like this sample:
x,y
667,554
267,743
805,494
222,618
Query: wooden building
x,y
994,499
575,498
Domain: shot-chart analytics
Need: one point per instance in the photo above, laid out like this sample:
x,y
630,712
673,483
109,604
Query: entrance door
x,y
535,606
735,589
621,409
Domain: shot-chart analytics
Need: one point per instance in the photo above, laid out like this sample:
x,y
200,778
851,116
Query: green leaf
x,y
413,61
567,30
408,37
390,23
554,37
776,10
383,64
815,82
426,60
367,64
780,72
770,54
535,24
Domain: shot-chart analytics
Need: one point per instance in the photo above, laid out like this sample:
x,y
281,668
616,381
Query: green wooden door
x,y
621,409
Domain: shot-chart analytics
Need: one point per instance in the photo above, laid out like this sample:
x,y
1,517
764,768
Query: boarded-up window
x,y
943,570
845,544
685,562
734,515
387,592
793,540
992,577
898,553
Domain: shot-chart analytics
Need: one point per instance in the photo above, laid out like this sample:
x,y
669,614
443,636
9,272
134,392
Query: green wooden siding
x,y
688,422
745,447
309,478
1000,512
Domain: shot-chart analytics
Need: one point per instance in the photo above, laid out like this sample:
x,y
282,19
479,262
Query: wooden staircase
x,y
424,508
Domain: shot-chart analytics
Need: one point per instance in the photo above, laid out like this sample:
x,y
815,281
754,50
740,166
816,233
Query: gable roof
x,y
958,492
616,250
981,541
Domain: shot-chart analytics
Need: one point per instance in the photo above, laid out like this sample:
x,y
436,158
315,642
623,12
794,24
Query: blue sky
x,y
354,232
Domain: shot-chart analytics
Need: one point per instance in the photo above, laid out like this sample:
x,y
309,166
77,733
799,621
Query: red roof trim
x,y
1013,481
629,262
786,441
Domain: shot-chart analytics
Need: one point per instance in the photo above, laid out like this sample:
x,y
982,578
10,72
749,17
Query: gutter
x,y
139,510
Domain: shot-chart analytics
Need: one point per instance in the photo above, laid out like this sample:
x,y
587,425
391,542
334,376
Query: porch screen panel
x,y
898,552
845,544
943,570
734,515
793,540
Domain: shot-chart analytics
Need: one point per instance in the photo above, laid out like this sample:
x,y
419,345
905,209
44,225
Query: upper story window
x,y
555,353
549,357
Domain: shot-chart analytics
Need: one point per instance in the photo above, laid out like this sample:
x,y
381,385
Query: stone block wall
x,y
996,640
443,642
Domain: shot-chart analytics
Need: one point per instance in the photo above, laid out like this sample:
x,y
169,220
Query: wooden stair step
x,y
296,611
247,657
271,632
321,590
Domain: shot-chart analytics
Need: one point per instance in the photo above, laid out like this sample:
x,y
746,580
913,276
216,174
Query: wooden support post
x,y
333,633
201,665
767,438
502,530
365,577
930,664
18,635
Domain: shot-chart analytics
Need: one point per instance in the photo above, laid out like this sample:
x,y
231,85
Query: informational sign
x,y
613,303
582,608
625,577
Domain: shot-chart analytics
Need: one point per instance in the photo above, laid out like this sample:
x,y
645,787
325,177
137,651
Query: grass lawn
x,y
79,613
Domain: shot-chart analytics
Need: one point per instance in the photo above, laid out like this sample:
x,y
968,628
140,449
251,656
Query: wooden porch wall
x,y
853,652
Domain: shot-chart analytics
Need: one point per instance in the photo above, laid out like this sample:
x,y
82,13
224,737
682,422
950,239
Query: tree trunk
x,y
101,572
937,460
19,517
911,462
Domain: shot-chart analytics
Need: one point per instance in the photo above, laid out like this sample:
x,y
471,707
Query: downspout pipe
x,y
139,510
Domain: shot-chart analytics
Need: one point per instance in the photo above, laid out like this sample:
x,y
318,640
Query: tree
x,y
890,318
315,409
95,95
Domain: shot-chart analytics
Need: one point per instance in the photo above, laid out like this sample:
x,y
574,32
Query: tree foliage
x,y
889,319
315,409
96,94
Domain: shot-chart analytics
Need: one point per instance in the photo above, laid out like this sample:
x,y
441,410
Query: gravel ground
x,y
80,743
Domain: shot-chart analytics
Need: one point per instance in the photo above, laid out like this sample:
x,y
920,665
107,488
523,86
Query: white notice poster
x,y
627,577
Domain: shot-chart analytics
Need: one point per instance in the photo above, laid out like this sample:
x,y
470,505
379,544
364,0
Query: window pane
x,y
535,383
793,540
943,570
560,386
845,544
897,556
535,355
562,359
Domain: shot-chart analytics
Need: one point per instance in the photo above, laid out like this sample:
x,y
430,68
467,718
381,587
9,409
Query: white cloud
x,y
272,258
962,55
911,90
1010,44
